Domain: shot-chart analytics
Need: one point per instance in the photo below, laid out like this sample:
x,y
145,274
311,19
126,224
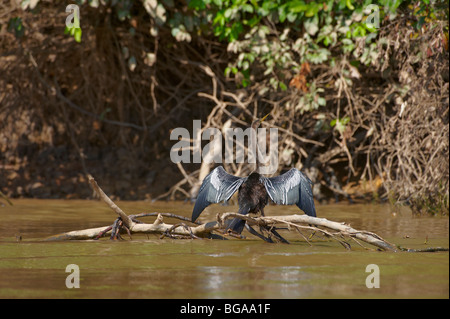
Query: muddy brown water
x,y
147,267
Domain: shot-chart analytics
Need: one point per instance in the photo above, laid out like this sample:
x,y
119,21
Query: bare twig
x,y
127,220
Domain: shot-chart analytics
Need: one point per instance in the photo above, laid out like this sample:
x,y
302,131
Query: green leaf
x,y
321,101
227,71
340,123
197,5
174,31
253,21
228,13
358,31
298,6
349,5
15,26
282,13
77,35
318,56
370,27
292,16
219,19
247,8
312,10
236,29
312,25
419,23
329,5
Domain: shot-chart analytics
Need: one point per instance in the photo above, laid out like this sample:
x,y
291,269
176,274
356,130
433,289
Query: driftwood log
x,y
186,229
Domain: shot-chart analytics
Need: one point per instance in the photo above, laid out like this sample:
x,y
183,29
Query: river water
x,y
147,267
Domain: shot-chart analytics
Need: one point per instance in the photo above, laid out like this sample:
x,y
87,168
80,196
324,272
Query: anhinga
x,y
292,187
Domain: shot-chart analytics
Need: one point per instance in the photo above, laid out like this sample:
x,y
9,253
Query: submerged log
x,y
334,230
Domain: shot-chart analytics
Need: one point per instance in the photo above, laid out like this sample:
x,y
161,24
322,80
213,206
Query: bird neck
x,y
254,141
254,176
259,155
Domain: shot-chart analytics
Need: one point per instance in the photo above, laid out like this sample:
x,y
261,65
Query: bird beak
x,y
264,117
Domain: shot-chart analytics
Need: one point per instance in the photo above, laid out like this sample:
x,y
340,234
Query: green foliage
x,y
75,30
269,40
279,36
340,124
275,36
16,27
427,11
311,100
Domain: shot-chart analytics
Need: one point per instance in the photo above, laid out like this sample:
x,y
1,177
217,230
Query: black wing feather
x,y
292,187
216,187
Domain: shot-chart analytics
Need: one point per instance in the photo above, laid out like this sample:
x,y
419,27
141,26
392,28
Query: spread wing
x,y
292,187
216,187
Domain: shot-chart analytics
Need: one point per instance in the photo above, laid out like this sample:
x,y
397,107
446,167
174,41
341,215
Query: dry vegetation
x,y
68,109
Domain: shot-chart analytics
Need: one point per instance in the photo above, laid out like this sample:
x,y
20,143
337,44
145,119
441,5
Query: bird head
x,y
258,122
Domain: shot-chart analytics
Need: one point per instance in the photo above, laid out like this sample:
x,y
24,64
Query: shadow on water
x,y
147,267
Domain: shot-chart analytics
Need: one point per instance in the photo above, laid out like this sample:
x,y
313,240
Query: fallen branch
x,y
206,230
130,223
297,221
127,221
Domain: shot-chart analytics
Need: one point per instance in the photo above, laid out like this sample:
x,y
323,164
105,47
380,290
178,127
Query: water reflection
x,y
259,282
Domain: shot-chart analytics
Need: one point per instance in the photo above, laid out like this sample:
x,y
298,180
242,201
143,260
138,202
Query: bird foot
x,y
115,228
231,233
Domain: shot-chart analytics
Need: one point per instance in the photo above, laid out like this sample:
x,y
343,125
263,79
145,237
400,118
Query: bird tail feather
x,y
237,225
